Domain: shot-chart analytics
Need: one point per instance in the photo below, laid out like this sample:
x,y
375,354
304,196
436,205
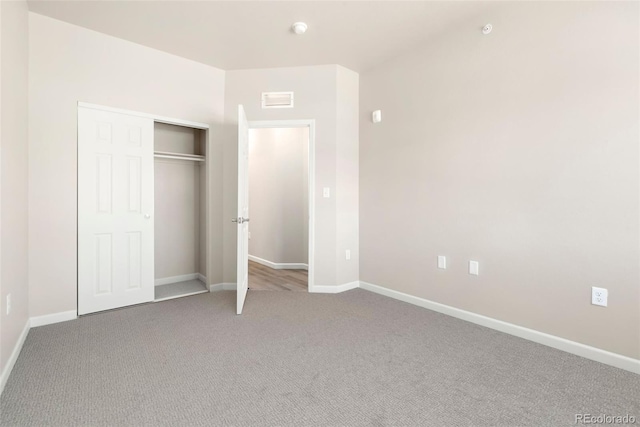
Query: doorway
x,y
294,270
242,219
179,204
278,250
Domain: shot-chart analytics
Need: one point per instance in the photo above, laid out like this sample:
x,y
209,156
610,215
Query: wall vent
x,y
277,99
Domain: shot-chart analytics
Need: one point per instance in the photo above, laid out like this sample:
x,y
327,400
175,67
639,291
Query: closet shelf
x,y
179,156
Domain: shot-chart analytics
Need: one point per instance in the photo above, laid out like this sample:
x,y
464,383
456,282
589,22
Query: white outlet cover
x,y
442,261
348,254
326,192
474,268
599,296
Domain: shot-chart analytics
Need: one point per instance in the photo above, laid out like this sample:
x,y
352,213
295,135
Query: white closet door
x,y
115,210
243,210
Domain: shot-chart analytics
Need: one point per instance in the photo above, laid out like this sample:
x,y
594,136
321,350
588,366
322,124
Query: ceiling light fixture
x,y
487,29
299,27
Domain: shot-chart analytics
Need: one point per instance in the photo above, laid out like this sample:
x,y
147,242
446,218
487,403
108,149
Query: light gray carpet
x,y
180,288
298,359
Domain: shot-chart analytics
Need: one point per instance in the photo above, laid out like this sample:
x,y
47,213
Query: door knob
x,y
240,220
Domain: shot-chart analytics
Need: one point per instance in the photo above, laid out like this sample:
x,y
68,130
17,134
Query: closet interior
x,y
179,198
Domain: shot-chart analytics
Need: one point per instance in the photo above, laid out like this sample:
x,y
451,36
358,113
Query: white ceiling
x,y
257,34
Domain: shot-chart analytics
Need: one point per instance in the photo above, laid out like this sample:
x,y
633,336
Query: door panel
x,y
104,264
243,210
134,260
104,180
115,210
134,186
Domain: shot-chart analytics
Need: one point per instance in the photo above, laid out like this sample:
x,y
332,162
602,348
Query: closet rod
x,y
164,156
180,156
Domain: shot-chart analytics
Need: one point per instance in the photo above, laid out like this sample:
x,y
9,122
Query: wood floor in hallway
x,y
263,278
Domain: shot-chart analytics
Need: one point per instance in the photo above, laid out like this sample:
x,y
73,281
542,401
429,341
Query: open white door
x,y
243,209
115,207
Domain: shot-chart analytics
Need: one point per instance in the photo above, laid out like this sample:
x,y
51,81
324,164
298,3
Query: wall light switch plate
x,y
474,268
599,296
8,304
348,254
442,262
326,192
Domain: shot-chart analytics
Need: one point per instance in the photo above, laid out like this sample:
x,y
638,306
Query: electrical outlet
x,y
474,268
249,233
8,304
348,254
599,296
442,262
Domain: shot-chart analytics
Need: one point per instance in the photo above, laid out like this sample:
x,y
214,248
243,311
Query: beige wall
x,y
316,96
520,150
278,194
13,175
178,197
347,175
71,64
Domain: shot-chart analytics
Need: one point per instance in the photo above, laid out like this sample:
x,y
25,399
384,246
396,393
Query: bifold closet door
x,y
115,210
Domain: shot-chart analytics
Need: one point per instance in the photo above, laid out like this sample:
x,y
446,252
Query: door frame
x,y
208,171
311,124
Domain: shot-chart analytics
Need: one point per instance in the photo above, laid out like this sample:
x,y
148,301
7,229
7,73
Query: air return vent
x,y
277,99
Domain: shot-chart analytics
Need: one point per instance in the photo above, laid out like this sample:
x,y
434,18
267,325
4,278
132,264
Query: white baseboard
x,y
222,287
176,279
320,289
279,265
202,278
53,318
588,352
14,356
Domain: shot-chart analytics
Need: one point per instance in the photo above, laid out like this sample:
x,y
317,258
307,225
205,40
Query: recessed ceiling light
x,y
299,27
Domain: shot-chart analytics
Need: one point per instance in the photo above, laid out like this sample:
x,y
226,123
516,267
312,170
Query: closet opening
x,y
279,208
143,204
180,214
